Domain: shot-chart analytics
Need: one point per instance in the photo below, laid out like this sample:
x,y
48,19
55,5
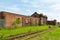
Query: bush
x,y
49,26
16,22
59,26
39,23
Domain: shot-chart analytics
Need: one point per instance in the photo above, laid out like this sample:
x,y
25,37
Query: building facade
x,y
52,22
42,18
7,19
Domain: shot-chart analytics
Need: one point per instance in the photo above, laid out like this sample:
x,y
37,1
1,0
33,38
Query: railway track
x,y
30,35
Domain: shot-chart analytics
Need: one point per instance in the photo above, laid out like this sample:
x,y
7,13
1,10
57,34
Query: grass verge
x,y
4,33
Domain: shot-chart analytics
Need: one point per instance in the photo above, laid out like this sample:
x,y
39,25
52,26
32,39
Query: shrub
x,y
59,26
16,22
49,26
39,22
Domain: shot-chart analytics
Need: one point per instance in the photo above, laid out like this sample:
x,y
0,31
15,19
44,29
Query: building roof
x,y
35,14
16,14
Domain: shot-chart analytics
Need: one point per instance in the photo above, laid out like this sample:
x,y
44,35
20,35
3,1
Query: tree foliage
x,y
16,22
39,22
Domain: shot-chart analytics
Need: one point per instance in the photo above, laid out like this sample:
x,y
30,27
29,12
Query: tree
x,y
39,22
40,15
16,22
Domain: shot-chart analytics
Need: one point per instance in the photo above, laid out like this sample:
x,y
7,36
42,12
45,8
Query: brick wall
x,y
24,20
10,18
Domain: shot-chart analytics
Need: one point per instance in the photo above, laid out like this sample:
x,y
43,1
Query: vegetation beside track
x,y
51,35
4,33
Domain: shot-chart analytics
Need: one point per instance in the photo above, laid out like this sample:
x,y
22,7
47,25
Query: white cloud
x,y
56,6
35,4
53,15
50,15
52,9
51,1
25,1
13,7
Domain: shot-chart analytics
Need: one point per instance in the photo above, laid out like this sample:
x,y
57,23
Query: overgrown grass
x,y
7,32
51,35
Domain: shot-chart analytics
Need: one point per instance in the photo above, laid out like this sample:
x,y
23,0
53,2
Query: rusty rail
x,y
27,34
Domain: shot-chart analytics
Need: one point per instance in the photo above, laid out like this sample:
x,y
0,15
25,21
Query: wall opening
x,y
2,20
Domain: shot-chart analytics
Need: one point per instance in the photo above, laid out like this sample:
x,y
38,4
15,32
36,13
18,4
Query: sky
x,y
51,8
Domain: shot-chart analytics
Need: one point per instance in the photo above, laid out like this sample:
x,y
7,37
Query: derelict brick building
x,y
7,19
42,18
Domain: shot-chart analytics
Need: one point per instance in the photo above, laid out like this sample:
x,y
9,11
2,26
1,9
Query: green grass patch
x,y
7,32
52,35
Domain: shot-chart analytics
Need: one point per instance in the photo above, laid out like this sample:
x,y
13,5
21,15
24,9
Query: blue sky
x,y
51,8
